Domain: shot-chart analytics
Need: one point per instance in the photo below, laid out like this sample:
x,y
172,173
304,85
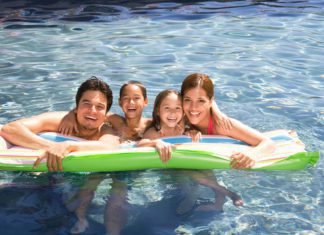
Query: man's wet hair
x,y
95,84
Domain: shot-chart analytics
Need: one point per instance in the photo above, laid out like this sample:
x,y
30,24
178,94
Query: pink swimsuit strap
x,y
210,130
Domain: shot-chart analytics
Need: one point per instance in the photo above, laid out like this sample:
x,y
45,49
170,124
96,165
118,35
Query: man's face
x,y
91,110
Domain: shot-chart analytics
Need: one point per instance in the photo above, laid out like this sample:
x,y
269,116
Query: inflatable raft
x,y
212,152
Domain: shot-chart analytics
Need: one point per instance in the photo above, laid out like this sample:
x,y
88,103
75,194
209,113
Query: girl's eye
x,y
186,100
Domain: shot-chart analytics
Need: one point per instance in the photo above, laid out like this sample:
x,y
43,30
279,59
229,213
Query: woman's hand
x,y
241,161
224,121
68,125
194,134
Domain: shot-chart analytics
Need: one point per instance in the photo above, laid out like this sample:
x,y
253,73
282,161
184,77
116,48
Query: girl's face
x,y
170,110
132,101
196,105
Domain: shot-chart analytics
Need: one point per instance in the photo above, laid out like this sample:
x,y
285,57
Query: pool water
x,y
265,58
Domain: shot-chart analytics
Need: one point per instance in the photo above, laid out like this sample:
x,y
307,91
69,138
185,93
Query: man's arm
x,y
23,132
58,151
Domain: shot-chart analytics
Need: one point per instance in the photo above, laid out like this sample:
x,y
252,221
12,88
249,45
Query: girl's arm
x,y
68,125
151,139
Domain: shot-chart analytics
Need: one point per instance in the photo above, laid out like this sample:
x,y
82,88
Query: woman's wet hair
x,y
198,80
136,83
95,84
156,122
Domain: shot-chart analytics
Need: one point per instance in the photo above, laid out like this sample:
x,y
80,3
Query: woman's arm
x,y
263,145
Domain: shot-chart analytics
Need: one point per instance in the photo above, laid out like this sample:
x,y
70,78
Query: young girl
x,y
168,121
197,91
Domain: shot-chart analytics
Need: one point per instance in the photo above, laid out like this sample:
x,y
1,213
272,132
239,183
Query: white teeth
x,y
90,117
195,113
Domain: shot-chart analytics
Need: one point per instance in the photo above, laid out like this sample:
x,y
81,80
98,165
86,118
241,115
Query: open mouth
x,y
90,118
172,119
194,114
131,110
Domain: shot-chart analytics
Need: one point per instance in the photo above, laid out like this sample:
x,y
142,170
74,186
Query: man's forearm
x,y
17,134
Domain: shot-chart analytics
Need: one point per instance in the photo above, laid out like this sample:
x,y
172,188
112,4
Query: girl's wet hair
x,y
198,80
136,83
95,84
156,122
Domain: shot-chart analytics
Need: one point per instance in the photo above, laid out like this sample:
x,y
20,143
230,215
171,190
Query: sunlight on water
x,y
265,58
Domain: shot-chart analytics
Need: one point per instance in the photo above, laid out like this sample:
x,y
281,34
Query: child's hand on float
x,y
164,149
68,125
194,134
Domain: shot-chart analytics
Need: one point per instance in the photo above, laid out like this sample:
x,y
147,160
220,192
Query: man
x,y
93,100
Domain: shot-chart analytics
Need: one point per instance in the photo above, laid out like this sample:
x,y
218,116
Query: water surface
x,y
265,58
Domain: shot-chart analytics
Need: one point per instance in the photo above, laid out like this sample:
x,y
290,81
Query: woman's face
x,y
196,105
132,101
170,110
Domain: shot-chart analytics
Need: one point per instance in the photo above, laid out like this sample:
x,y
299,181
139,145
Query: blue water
x,y
266,60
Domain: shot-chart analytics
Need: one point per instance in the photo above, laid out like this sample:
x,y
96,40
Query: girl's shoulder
x,y
151,133
114,119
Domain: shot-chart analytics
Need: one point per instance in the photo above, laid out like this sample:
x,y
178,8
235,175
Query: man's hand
x,y
54,156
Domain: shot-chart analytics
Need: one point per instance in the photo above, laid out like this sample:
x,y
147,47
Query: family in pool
x,y
192,111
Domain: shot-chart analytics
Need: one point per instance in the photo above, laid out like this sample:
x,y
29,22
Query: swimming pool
x,y
266,60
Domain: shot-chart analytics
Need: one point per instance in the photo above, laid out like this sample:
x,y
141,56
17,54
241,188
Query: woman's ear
x,y
119,102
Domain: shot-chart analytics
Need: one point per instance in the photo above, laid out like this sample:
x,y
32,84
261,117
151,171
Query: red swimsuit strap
x,y
210,130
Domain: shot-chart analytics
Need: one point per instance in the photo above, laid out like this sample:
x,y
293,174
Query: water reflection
x,y
107,11
182,202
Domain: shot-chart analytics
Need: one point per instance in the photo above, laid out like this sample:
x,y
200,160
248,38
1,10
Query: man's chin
x,y
89,128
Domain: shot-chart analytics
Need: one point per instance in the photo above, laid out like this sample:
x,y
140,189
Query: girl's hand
x,y
194,134
164,149
68,125
224,121
220,118
241,161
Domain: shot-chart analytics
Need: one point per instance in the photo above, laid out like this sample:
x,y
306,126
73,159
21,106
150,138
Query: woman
x,y
197,92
